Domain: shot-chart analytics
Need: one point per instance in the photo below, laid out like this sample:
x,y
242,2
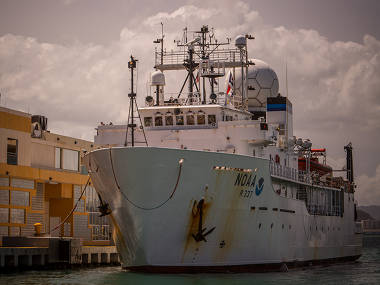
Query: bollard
x,y
37,229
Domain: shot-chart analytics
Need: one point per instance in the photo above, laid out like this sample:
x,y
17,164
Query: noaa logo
x,y
259,187
249,181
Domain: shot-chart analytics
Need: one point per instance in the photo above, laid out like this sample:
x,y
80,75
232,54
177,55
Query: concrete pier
x,y
31,252
23,256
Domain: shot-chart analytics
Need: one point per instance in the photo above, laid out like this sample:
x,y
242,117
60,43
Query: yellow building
x,y
41,179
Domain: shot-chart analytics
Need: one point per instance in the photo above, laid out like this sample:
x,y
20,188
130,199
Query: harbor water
x,y
364,271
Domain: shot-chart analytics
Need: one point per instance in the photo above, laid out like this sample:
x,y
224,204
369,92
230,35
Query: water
x,y
364,271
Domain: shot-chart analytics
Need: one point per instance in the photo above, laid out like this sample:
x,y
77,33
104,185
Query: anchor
x,y
104,208
201,234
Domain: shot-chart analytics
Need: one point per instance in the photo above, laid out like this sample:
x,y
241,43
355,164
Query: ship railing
x,y
303,176
174,100
213,69
279,170
167,60
323,209
100,232
194,99
290,173
283,171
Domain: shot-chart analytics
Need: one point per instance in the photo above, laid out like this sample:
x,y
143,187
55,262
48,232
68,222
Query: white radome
x,y
262,83
157,78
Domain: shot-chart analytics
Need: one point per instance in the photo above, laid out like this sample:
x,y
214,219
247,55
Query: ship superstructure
x,y
215,179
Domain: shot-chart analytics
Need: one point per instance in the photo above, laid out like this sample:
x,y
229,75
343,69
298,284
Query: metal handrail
x,y
179,56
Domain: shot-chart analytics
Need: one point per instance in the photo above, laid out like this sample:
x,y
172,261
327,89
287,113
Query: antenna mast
x,y
132,105
161,41
205,54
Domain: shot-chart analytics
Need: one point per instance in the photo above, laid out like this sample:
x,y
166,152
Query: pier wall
x,y
32,252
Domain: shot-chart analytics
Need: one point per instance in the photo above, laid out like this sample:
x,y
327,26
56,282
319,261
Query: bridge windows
x,y
148,122
158,121
168,119
211,119
229,118
179,120
190,118
201,119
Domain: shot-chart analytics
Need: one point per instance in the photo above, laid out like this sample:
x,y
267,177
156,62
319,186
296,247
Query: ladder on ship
x,y
133,113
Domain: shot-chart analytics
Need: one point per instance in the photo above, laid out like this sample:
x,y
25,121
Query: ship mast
x,y
133,110
206,55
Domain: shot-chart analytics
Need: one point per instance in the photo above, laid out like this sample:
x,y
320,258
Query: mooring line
x,y
133,203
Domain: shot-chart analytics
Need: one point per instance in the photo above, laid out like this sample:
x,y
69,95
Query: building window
x,y
169,120
58,157
70,159
4,198
148,122
12,151
179,120
4,215
66,159
20,198
18,216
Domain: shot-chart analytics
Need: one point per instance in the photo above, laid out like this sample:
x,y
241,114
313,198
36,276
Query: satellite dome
x,y
240,41
262,83
157,78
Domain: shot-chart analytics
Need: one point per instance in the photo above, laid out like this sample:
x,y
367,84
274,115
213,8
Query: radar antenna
x,y
133,111
204,59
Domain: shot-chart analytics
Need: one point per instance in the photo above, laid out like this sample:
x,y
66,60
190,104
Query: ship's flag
x,y
197,78
230,83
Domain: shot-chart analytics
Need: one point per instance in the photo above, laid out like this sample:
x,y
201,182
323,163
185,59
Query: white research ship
x,y
216,181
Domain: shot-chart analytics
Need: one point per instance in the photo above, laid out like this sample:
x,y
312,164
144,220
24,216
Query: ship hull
x,y
242,268
179,210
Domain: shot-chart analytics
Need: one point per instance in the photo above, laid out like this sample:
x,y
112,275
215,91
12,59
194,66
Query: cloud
x,y
183,14
71,84
334,86
368,190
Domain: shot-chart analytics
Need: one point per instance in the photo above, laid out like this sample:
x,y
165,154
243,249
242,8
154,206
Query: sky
x,y
67,60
